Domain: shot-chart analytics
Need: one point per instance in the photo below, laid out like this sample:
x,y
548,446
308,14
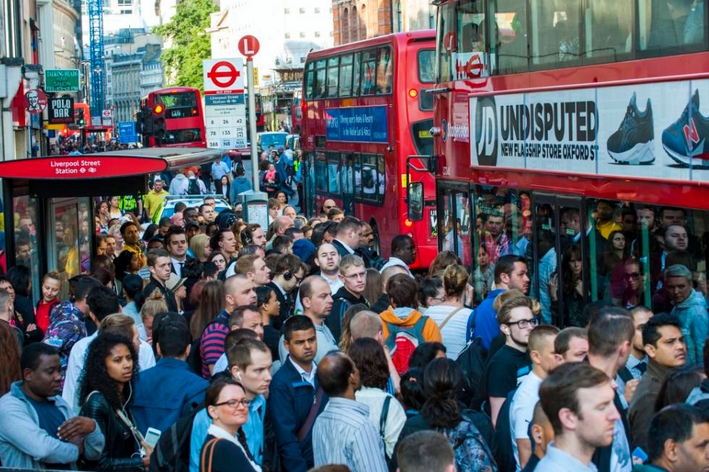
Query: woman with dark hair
x,y
219,259
9,357
19,278
127,262
469,432
615,252
385,411
412,394
225,448
133,295
571,289
269,307
105,395
102,217
679,383
211,304
425,353
224,240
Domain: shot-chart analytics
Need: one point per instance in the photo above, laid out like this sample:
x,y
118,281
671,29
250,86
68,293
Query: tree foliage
x,y
187,43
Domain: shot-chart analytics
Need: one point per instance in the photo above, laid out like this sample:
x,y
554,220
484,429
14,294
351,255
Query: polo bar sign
x,y
61,111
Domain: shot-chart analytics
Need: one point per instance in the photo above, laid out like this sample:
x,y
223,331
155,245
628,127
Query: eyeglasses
x,y
328,207
298,279
634,275
234,404
524,324
439,299
358,275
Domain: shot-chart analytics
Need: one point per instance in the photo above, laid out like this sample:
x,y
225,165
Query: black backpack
x,y
472,360
172,452
193,187
502,443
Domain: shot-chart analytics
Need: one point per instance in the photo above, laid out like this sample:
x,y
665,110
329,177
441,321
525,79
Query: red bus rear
x,y
172,117
364,113
573,134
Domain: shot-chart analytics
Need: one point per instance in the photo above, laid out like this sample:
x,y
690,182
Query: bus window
x,y
425,64
609,29
385,70
381,174
356,74
556,32
369,178
333,65
309,80
510,36
347,185
369,65
333,164
319,89
321,172
444,33
357,176
25,211
345,81
463,225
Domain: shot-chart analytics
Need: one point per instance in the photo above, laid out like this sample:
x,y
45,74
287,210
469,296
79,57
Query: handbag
x,y
207,458
445,322
310,419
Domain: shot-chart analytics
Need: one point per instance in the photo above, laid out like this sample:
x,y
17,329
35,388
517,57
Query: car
x,y
293,142
270,138
192,201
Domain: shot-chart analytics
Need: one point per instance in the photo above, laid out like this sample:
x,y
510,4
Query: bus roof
x,y
420,35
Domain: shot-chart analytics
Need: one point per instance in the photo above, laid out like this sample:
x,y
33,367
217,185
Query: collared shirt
x,y
177,266
77,359
344,434
557,460
395,261
346,246
326,343
307,377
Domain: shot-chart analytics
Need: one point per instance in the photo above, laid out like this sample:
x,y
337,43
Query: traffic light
x,y
79,117
159,124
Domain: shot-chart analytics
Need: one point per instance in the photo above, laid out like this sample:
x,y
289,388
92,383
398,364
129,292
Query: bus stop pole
x,y
252,122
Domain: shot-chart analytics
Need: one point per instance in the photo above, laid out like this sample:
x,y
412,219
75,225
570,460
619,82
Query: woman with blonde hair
x,y
154,304
443,260
451,316
199,245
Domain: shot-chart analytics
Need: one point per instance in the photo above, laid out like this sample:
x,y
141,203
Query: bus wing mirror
x,y
414,194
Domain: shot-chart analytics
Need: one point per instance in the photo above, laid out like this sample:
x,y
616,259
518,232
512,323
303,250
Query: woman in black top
x,y
225,448
106,388
20,278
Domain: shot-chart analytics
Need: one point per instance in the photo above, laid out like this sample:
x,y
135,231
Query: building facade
x,y
413,15
354,20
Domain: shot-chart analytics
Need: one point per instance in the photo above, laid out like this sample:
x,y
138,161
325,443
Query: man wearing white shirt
x,y
116,324
176,245
328,259
403,253
541,351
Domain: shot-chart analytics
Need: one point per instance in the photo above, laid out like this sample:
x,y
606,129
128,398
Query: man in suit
x,y
285,281
348,236
294,394
176,245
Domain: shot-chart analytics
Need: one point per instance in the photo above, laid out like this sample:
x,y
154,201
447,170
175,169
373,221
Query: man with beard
x,y
511,363
38,429
295,393
131,241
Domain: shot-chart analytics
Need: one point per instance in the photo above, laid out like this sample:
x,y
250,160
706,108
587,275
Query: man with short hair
x,y
571,345
245,317
541,434
328,260
510,364
176,245
690,308
190,215
255,268
382,303
7,312
354,278
293,394
111,246
155,198
239,291
160,265
289,272
131,241
510,272
249,363
403,253
678,441
343,432
541,351
38,429
630,374
610,335
347,236
181,390
578,400
425,451
206,211
664,344
317,304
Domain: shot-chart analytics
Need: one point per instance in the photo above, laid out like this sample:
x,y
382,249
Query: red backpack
x,y
402,341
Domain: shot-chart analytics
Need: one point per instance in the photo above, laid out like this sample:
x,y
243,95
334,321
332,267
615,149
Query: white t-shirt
x,y
453,333
374,399
522,410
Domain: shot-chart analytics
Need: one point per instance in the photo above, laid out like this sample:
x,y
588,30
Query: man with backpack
x,y
404,327
193,186
354,277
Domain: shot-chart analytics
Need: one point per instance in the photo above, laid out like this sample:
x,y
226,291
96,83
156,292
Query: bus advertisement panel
x,y
364,113
573,136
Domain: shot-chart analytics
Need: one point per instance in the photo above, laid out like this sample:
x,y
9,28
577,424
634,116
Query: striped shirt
x,y
211,346
344,434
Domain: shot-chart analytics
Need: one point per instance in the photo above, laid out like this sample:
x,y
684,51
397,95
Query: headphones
x,y
287,275
238,376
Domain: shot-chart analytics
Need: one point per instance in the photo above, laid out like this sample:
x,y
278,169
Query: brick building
x,y
354,20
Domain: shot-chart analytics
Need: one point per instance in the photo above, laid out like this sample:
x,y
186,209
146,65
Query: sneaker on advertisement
x,y
632,143
685,139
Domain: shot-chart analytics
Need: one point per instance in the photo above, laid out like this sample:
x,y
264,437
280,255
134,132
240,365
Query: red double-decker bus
x,y
365,112
172,117
574,134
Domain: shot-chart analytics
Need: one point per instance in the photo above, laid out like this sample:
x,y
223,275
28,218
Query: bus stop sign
x,y
249,46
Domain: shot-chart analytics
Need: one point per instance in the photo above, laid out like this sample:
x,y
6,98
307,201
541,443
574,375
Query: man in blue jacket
x,y
165,392
38,429
295,399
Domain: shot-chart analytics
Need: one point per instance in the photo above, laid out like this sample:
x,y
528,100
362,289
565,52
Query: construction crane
x,y
96,59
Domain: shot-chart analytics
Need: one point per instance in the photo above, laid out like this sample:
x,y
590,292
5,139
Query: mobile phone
x,y
152,436
640,454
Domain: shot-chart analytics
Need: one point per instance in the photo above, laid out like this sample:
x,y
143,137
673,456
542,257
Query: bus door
x,y
454,220
558,261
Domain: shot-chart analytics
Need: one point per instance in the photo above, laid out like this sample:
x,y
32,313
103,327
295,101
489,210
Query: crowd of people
x,y
204,343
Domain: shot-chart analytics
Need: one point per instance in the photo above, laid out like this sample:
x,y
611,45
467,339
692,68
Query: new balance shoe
x,y
685,140
632,143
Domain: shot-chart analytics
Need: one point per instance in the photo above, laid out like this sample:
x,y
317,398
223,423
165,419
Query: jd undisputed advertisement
x,y
657,130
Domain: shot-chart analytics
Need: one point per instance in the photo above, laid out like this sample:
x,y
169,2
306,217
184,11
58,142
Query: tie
x,y
182,267
642,367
